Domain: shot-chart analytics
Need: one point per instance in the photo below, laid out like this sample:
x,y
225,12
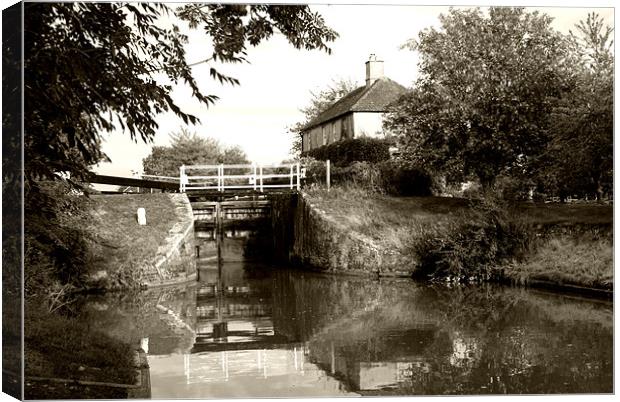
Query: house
x,y
357,114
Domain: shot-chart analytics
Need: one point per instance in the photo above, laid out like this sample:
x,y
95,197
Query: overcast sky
x,y
279,79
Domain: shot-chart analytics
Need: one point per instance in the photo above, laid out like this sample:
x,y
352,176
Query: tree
x,y
579,158
319,102
91,67
486,89
189,148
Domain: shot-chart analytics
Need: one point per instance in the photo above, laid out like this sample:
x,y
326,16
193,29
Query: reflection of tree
x,y
504,341
464,340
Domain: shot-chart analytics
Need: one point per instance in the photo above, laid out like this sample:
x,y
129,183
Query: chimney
x,y
374,69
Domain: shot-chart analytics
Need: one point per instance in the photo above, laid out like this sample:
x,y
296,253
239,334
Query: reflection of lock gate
x,y
236,177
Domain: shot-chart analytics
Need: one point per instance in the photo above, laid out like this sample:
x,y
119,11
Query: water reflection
x,y
249,330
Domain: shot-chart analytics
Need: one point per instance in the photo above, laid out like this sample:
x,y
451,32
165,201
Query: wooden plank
x,y
132,182
203,204
230,193
232,203
246,203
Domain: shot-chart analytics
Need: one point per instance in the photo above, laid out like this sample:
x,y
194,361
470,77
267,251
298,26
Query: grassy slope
x,y
388,220
393,222
124,246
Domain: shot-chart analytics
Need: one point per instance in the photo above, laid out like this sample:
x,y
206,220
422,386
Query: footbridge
x,y
205,179
222,195
216,180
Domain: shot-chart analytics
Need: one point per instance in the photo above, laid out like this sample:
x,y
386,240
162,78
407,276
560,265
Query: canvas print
x,y
288,200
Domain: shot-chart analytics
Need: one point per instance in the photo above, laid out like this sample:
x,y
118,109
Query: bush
x,y
400,178
315,170
359,174
513,188
345,152
471,248
392,177
55,241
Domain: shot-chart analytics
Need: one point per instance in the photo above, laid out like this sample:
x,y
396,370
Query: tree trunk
x,y
599,187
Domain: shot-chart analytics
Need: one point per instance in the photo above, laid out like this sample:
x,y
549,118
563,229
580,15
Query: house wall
x,y
352,125
328,133
368,124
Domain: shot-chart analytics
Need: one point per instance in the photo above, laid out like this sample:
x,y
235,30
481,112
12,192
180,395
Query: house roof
x,y
373,98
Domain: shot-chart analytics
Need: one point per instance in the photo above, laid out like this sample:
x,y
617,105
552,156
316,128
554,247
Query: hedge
x,y
345,152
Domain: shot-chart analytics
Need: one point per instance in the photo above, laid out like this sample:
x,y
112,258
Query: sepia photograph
x,y
269,200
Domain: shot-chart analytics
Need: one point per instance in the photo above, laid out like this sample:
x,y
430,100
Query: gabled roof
x,y
373,98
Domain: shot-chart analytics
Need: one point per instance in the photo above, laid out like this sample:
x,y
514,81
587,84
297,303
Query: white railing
x,y
236,177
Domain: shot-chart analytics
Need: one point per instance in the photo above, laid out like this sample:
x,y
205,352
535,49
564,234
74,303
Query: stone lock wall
x,y
175,259
307,236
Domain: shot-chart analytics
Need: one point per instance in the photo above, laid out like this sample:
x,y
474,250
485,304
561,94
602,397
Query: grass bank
x,y
459,239
123,249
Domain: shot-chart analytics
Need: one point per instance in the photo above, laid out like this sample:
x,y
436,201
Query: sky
x,y
279,79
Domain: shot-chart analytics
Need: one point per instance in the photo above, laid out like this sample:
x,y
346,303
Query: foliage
x,y
362,149
579,159
405,179
319,102
514,188
393,177
188,148
91,67
486,89
358,175
55,241
584,261
315,170
474,246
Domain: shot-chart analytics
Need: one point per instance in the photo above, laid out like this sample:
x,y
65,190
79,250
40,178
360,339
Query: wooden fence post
x,y
328,174
182,178
254,175
221,177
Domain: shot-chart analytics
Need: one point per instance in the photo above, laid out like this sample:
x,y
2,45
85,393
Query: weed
x,y
585,261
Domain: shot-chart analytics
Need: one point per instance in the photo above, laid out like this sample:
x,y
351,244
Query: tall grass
x,y
584,261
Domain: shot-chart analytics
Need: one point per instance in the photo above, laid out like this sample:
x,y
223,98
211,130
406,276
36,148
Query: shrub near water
x,y
470,248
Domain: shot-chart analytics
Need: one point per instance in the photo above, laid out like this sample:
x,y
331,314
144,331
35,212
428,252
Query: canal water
x,y
248,329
